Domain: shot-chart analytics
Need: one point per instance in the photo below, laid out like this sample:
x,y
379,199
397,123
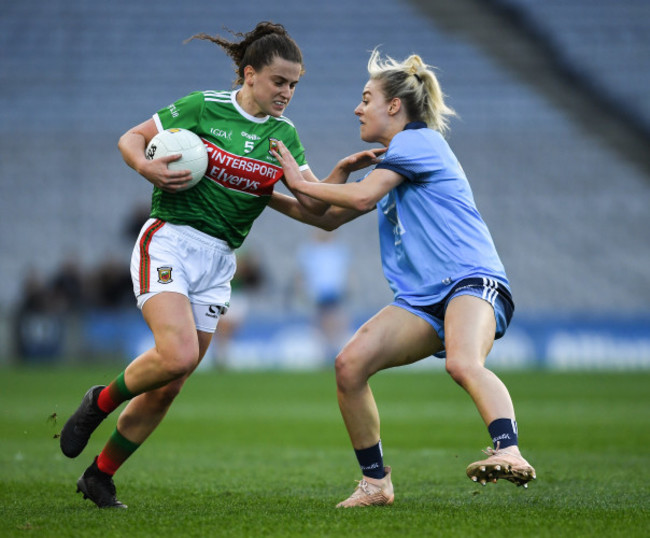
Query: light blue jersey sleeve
x,y
431,233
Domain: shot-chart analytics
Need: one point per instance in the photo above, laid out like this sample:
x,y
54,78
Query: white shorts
x,y
181,259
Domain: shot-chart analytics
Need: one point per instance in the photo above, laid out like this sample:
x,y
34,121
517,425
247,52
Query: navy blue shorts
x,y
492,291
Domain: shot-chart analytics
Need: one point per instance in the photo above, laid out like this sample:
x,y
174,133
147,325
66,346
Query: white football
x,y
187,143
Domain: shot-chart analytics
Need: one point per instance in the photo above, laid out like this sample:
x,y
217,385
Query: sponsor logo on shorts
x,y
164,275
216,310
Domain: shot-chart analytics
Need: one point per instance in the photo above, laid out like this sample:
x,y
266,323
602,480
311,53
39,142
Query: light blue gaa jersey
x,y
430,231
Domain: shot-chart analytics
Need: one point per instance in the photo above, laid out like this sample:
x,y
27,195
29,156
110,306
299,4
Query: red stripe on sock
x,y
105,402
106,465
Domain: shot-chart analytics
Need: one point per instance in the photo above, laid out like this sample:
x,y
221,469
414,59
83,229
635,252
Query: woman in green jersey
x,y
184,258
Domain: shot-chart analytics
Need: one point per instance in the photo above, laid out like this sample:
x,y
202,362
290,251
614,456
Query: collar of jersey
x,y
415,125
233,98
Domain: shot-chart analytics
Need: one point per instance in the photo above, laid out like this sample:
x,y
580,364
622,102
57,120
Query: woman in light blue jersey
x,y
452,296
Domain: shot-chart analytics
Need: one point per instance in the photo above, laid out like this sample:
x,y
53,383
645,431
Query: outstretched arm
x,y
329,220
361,196
338,175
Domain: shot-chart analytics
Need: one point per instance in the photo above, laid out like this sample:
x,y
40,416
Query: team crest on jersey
x,y
165,275
273,145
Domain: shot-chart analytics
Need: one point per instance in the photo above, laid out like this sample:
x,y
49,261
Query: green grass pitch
x,y
266,454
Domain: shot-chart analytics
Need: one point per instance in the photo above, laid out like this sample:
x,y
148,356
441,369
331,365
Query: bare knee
x,y
351,373
463,371
178,357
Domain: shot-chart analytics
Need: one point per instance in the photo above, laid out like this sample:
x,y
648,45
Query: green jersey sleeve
x,y
185,113
296,149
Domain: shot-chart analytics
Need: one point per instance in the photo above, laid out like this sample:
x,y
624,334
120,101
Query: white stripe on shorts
x,y
490,290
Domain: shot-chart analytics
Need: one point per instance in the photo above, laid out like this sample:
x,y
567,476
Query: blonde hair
x,y
415,84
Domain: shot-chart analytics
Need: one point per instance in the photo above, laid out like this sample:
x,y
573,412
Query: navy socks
x,y
371,461
503,432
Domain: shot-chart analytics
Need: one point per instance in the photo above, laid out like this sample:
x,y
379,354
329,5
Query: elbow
x,y
315,207
364,204
329,225
332,220
319,210
326,222
121,142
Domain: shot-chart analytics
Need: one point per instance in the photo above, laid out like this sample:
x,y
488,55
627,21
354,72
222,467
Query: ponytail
x,y
257,48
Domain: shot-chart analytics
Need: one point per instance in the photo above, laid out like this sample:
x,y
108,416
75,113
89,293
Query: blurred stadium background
x,y
553,132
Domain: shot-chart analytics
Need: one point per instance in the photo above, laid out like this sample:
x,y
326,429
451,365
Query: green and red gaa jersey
x,y
241,173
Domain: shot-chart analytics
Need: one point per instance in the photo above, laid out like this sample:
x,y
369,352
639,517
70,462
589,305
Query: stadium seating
x,y
606,41
569,216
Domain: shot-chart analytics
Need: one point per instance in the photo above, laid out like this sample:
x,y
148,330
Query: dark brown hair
x,y
257,48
